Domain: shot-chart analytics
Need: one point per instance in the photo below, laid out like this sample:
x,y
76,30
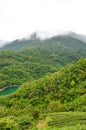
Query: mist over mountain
x,y
28,56
43,67
2,43
78,36
40,36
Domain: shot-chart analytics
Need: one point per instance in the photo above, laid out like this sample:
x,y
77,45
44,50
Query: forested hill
x,y
51,80
39,59
62,91
63,40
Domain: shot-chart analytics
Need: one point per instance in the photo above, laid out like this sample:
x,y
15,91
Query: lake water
x,y
8,90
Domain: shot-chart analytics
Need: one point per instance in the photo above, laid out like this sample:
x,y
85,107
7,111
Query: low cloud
x,y
48,34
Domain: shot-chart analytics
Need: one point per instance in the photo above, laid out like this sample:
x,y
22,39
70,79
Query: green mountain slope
x,y
62,91
66,40
38,59
78,36
16,68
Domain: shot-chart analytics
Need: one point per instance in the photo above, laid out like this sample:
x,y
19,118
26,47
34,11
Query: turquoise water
x,y
8,90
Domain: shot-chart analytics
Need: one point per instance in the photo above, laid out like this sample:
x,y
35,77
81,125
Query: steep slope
x,y
78,36
62,91
67,86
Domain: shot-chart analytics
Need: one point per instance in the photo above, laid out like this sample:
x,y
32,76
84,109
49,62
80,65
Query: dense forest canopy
x,y
51,75
62,91
37,58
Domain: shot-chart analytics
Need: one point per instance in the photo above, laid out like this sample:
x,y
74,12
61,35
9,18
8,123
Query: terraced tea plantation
x,y
61,119
57,121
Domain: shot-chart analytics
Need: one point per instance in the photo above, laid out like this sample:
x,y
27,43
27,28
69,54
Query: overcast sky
x,y
19,18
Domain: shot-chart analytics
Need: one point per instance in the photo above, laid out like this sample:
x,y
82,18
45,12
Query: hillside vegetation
x,y
16,68
32,59
62,91
64,40
50,80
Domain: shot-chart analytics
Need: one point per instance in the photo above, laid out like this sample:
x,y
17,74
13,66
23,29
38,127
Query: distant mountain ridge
x,y
78,36
36,38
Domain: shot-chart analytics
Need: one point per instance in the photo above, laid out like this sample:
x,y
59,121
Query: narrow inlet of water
x,y
8,90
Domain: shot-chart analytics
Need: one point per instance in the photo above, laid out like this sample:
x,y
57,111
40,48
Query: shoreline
x,y
2,89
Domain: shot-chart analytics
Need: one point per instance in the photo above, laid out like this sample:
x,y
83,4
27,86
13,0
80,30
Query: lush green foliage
x,y
41,58
74,127
57,121
18,67
62,91
46,95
